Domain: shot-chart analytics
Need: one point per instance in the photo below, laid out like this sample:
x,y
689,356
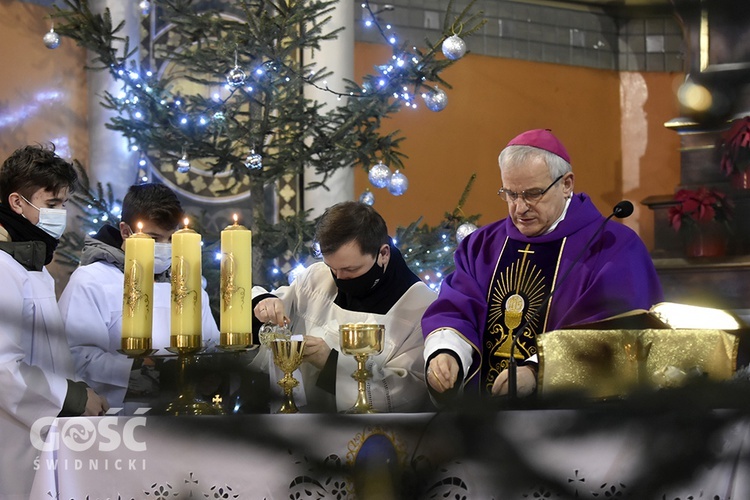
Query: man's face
x,y
349,262
42,198
535,218
159,234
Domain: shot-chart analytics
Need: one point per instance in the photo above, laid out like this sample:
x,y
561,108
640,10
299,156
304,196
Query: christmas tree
x,y
247,116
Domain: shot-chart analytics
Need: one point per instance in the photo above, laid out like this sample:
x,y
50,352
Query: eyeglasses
x,y
529,196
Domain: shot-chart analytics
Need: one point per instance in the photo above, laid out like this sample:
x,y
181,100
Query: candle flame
x,y
140,227
236,218
186,221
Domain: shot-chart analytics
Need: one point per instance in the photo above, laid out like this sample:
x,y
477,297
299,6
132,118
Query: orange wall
x,y
492,100
43,91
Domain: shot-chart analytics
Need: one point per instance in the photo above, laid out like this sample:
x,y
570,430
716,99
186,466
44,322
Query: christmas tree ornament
x,y
367,197
254,161
219,117
464,230
398,184
236,77
145,7
454,47
435,100
316,250
379,175
183,165
51,39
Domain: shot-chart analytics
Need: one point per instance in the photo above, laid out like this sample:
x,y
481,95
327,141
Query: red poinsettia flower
x,y
735,147
701,205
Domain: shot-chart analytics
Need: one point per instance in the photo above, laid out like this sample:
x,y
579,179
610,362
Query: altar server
x,y
91,303
506,270
363,279
36,369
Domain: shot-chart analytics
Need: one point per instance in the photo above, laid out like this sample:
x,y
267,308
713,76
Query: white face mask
x,y
162,257
51,220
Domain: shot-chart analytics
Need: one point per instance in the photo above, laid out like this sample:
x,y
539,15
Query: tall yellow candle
x,y
186,290
138,293
236,322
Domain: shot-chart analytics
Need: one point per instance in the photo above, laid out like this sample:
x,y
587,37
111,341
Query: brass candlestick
x,y
361,341
287,355
187,403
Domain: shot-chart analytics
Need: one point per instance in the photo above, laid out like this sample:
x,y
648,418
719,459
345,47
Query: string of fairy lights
x,y
142,98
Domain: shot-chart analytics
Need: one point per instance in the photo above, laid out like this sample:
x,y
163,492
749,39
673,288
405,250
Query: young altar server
x,y
36,369
91,303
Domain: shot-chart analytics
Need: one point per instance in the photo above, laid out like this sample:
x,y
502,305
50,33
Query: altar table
x,y
515,454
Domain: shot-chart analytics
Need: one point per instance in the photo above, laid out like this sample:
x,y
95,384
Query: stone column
x,y
337,56
110,160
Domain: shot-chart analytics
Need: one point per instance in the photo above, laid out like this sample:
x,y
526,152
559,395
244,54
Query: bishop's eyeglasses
x,y
529,196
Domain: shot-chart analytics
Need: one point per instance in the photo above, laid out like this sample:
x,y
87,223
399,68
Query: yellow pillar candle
x,y
186,291
236,322
138,293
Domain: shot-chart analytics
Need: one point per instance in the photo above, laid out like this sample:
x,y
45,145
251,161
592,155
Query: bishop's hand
x,y
442,372
526,382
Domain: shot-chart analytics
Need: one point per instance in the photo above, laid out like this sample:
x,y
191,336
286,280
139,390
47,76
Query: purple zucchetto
x,y
541,138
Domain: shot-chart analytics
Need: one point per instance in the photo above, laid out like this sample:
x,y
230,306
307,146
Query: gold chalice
x,y
287,355
361,340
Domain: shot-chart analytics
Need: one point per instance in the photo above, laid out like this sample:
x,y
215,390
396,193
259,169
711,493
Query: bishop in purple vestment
x,y
506,270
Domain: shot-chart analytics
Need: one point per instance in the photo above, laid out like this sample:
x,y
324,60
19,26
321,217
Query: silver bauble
x,y
219,117
51,39
435,100
367,198
398,184
454,47
464,230
236,77
183,165
254,161
379,175
316,250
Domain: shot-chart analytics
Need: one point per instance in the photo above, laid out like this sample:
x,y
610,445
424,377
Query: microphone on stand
x,y
621,210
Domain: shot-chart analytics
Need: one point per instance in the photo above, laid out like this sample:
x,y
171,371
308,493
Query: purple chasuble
x,y
481,303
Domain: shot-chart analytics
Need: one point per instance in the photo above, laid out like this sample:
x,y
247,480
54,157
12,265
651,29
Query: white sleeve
x,y
87,317
447,339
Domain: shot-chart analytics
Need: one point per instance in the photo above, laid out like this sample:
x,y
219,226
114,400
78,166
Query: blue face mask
x,y
51,220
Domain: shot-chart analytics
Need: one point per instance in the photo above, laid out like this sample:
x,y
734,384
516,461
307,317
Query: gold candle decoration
x,y
236,321
138,292
186,291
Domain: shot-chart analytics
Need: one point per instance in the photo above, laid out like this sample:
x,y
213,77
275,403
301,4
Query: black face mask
x,y
361,285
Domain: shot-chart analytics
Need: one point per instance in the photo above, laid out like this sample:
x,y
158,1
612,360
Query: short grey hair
x,y
513,156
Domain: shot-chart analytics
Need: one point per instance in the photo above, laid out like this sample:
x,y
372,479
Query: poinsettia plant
x,y
735,147
700,205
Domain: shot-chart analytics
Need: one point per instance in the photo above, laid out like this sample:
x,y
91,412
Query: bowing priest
x,y
363,279
36,368
554,240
